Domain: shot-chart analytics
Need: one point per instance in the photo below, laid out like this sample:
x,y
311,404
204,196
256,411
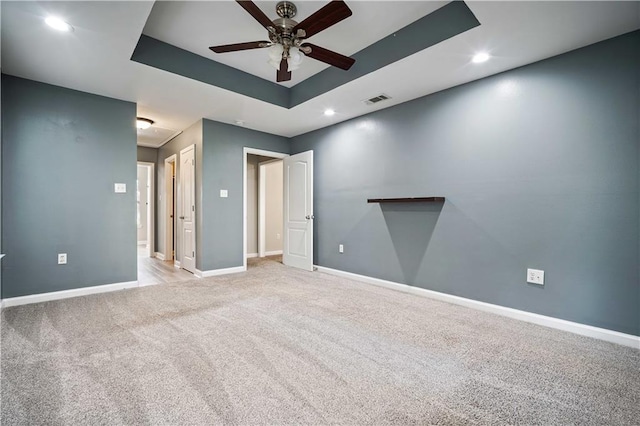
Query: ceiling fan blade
x,y
257,14
329,15
240,46
283,74
328,56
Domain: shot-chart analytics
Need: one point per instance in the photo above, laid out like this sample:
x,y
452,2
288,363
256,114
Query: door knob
x,y
181,217
310,217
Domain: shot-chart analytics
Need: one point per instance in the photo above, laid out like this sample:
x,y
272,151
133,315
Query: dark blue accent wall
x,y
63,150
539,167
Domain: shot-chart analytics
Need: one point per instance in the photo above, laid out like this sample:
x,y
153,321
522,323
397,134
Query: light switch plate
x,y
535,276
224,193
62,258
120,188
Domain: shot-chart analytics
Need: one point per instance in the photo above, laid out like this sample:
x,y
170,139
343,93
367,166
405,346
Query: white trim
x,y
223,271
159,256
246,151
142,243
273,253
559,324
65,294
250,255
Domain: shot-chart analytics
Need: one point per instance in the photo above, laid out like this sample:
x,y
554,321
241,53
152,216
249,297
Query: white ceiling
x,y
95,58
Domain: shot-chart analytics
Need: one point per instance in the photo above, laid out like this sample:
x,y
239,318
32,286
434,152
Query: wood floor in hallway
x,y
155,271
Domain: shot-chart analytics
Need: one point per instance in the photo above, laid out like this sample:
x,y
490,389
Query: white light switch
x,y
340,248
62,258
224,193
535,276
120,188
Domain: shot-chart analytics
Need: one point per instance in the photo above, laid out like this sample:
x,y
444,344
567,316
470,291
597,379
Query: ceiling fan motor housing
x,y
284,34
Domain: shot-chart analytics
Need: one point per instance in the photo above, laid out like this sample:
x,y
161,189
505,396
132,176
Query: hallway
x,y
154,271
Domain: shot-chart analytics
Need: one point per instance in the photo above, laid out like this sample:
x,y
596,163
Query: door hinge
x,y
193,254
193,208
193,162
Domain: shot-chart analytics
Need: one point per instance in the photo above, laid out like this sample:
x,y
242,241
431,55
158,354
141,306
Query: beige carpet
x,y
280,346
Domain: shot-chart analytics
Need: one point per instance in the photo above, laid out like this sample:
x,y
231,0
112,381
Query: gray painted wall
x,y
540,169
223,164
146,154
63,150
190,136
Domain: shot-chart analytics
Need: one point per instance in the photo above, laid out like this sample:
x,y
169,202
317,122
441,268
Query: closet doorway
x,y
263,203
145,209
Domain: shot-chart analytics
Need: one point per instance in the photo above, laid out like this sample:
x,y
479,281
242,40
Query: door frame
x,y
245,153
169,193
151,206
262,206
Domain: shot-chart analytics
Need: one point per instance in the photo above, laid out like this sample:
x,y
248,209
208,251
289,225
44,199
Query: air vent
x,y
381,97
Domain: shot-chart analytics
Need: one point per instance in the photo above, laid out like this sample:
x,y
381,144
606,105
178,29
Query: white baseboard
x,y
216,272
176,263
250,255
273,253
159,256
65,294
560,324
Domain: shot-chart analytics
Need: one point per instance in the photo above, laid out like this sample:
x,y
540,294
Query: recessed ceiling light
x,y
58,24
143,123
480,57
329,112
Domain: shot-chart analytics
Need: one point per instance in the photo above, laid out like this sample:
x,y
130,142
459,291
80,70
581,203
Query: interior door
x,y
298,211
187,208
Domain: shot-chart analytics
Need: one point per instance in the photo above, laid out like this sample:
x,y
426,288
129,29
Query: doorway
x,y
264,206
169,249
254,226
145,210
270,207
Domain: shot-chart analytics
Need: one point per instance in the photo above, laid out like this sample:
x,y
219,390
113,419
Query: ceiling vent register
x,y
381,97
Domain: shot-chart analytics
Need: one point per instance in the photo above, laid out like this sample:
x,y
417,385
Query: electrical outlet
x,y
224,193
535,276
341,248
62,258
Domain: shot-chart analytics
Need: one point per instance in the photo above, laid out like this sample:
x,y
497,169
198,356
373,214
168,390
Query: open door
x,y
298,211
187,208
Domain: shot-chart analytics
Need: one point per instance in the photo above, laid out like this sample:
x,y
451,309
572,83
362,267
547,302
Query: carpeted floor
x,y
280,346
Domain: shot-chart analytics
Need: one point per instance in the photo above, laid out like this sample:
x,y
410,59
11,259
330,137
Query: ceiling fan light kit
x,y
287,38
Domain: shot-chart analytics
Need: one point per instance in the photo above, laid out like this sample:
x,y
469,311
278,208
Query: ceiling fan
x,y
287,38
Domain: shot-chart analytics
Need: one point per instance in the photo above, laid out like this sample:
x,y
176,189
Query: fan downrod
x,y
286,9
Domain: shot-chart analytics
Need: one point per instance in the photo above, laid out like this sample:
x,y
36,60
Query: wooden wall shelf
x,y
407,200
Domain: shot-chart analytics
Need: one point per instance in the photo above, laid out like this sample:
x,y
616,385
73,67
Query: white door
x,y
187,209
298,211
